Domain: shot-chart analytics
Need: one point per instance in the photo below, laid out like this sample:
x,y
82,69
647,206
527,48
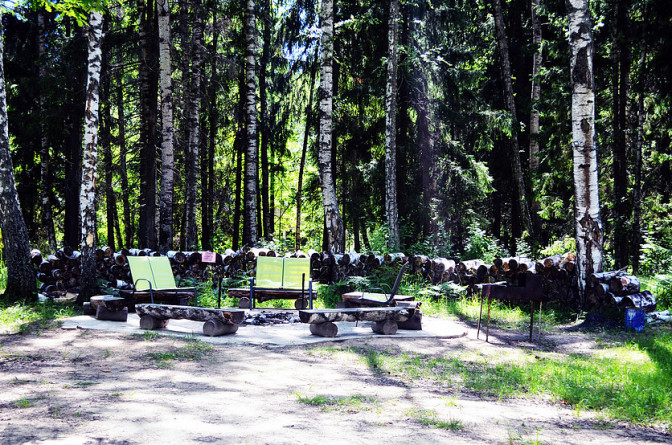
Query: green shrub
x,y
655,257
661,288
482,246
560,246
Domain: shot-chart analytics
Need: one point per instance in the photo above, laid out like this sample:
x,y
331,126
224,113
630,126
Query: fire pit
x,y
268,318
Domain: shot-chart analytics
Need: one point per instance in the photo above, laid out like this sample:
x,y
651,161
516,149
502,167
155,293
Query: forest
x,y
342,125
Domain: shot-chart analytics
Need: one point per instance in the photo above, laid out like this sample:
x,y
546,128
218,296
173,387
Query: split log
x,y
624,285
150,323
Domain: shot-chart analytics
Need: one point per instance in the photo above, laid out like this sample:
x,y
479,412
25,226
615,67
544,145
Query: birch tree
x,y
87,200
391,130
335,231
20,275
587,221
193,123
167,155
250,235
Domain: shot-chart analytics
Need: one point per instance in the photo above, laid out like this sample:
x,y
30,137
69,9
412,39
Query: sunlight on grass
x,y
21,317
339,403
631,382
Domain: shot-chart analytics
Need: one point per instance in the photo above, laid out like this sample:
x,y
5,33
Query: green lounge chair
x,y
153,279
282,278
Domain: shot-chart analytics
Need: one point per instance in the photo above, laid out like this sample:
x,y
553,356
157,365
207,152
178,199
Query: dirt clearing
x,y
89,387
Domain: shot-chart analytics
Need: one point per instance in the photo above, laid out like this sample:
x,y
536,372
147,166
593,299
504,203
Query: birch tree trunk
x,y
589,235
193,122
250,236
517,170
45,174
391,130
20,275
167,150
535,96
265,127
87,203
334,230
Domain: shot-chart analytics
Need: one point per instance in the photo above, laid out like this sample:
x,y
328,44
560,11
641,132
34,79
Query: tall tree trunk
x,y
335,232
193,122
517,170
250,236
106,143
148,77
45,174
304,150
639,147
588,224
265,127
167,130
391,130
129,229
88,286
20,274
208,167
620,89
238,145
535,96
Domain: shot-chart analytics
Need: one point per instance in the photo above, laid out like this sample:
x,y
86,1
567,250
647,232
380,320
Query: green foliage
x,y
23,318
190,350
338,403
429,417
661,288
655,257
560,246
3,277
481,245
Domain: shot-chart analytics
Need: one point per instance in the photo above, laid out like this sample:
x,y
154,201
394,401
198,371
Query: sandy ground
x,y
81,386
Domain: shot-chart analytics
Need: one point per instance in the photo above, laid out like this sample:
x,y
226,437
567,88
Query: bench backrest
x,y
157,270
282,273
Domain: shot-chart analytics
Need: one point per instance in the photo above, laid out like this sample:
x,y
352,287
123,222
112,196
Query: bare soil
x,y
92,387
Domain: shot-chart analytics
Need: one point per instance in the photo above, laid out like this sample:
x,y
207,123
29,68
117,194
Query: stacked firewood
x,y
60,271
617,289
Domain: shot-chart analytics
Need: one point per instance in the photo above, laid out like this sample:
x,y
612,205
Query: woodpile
x,y
617,289
59,272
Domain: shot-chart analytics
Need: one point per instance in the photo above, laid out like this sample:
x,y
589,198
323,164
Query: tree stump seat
x,y
385,319
107,307
216,321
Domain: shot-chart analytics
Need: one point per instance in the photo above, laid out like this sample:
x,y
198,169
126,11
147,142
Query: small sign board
x,y
208,257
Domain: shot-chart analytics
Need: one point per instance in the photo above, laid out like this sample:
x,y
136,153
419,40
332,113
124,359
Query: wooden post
x,y
487,330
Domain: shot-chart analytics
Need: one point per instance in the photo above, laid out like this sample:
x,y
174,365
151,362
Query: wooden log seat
x,y
216,321
385,319
370,299
107,307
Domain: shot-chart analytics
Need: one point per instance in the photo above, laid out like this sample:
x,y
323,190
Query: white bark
x,y
589,235
536,85
332,215
191,229
87,197
250,232
391,131
167,155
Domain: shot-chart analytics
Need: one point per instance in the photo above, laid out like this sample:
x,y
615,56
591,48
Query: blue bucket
x,y
635,318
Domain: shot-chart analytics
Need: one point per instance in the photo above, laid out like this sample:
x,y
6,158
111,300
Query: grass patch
x,y
631,382
352,403
429,417
23,403
25,318
191,350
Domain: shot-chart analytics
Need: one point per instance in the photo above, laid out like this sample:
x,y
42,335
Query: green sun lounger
x,y
278,278
153,280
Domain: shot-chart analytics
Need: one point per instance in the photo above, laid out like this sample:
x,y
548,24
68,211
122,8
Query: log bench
x,y
385,319
216,321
